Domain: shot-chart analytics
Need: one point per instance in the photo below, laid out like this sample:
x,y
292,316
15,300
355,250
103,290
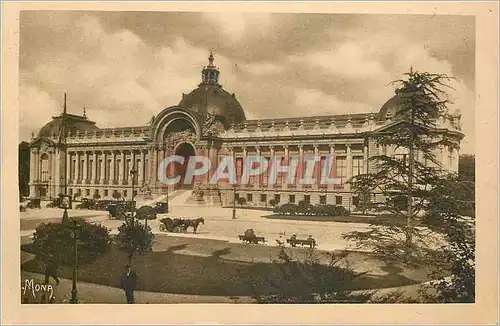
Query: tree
x,y
134,237
96,195
146,213
452,214
403,179
55,241
116,194
467,167
273,202
241,201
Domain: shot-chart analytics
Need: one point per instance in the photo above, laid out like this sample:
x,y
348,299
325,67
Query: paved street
x,y
218,225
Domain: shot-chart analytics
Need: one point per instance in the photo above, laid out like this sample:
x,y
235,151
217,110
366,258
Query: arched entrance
x,y
185,150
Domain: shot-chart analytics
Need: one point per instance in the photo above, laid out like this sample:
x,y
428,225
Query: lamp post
x,y
133,172
234,202
75,229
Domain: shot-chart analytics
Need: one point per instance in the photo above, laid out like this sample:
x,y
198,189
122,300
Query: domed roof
x,y
394,105
215,100
211,98
74,123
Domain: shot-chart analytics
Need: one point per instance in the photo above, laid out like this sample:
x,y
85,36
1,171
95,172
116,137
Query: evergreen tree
x,y
406,174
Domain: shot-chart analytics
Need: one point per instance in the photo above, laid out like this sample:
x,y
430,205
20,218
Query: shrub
x,y
307,281
55,239
241,201
134,237
305,208
288,209
273,202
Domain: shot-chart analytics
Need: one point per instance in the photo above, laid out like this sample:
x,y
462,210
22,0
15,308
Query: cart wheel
x,y
177,229
163,228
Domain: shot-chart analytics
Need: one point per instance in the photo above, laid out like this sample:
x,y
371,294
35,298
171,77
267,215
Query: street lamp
x,y
234,202
133,172
75,230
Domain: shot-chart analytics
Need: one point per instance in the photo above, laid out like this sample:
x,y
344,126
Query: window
x,y
263,198
80,169
355,200
73,170
277,198
322,199
236,196
135,193
341,168
357,165
90,169
87,192
338,200
117,169
106,193
125,194
107,170
99,169
249,198
291,199
71,192
307,198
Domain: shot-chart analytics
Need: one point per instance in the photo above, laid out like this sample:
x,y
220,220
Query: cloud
x,y
127,66
346,60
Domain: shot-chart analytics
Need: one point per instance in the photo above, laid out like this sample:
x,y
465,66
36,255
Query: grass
x,y
215,268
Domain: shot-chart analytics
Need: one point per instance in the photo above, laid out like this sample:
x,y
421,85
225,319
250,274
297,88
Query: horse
x,y
194,223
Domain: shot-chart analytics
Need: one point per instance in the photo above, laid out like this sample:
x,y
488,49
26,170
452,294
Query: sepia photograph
x,y
187,157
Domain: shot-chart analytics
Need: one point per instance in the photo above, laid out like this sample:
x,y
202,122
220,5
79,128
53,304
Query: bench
x,y
254,240
303,242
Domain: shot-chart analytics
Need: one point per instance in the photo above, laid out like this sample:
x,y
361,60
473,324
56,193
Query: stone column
x,y
68,167
269,184
112,167
103,166
349,162
143,167
300,168
121,168
258,178
317,169
287,161
94,171
77,166
365,159
330,187
32,172
85,166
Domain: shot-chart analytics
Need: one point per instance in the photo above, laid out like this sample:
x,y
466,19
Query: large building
x,y
209,121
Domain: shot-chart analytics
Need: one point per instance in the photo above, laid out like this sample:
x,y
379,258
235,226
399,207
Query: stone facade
x,y
99,160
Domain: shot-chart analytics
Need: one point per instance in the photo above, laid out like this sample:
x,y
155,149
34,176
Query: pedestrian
x,y
51,267
128,283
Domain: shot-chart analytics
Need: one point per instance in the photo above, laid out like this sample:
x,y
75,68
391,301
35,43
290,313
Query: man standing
x,y
128,282
51,267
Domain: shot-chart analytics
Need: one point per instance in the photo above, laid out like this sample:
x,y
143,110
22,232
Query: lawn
x,y
209,267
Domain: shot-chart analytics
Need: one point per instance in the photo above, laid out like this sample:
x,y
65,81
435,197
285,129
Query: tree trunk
x,y
409,194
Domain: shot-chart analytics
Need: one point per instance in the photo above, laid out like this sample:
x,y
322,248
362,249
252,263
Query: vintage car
x,y
86,204
161,207
33,203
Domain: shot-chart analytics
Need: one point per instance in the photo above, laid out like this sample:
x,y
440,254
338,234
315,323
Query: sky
x,y
125,67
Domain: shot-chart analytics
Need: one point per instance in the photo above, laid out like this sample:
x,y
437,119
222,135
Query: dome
x,y
393,106
74,123
215,100
211,98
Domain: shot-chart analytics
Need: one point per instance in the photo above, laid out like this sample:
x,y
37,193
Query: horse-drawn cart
x,y
177,225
